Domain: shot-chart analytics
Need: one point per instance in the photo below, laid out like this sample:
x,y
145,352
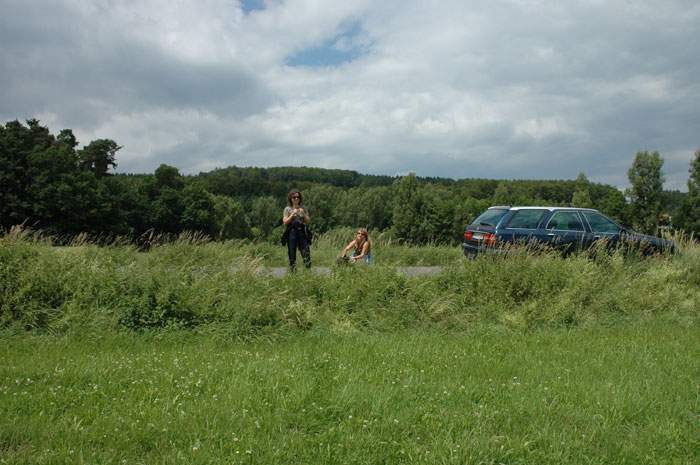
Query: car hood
x,y
657,241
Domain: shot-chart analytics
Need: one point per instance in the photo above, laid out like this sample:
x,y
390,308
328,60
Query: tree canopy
x,y
46,182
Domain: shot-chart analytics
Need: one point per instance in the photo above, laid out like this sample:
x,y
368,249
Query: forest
x,y
49,183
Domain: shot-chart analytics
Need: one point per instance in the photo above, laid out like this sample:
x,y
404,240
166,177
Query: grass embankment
x,y
189,354
203,284
627,394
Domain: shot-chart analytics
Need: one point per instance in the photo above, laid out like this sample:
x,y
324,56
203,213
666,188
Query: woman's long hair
x,y
291,193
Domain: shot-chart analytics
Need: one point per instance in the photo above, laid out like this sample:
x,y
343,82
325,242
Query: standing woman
x,y
295,218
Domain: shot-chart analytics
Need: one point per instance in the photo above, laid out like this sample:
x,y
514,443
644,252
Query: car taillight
x,y
468,235
489,239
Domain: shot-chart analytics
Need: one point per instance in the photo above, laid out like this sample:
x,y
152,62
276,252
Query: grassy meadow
x,y
610,395
191,353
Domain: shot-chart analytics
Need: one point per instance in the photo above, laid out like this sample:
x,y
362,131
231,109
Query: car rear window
x,y
526,219
490,217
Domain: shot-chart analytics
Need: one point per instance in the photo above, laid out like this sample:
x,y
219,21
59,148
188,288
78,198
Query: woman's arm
x,y
286,219
348,248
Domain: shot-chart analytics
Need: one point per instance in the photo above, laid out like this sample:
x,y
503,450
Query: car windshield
x,y
490,217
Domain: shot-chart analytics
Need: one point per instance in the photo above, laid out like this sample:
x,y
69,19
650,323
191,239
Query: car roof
x,y
543,208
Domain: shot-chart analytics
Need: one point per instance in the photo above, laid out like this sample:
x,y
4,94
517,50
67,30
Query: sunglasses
x,y
296,196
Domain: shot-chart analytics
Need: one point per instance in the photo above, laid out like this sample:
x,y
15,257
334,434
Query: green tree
x,y
129,205
438,215
646,182
42,185
322,203
582,196
376,213
518,193
264,215
166,200
67,138
422,213
198,212
97,156
64,200
168,176
367,207
15,179
231,220
166,211
503,194
614,205
582,199
407,208
689,215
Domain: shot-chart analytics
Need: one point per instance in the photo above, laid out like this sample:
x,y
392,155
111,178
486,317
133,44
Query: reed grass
x,y
195,283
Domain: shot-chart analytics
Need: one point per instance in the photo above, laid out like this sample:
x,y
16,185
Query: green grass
x,y
197,284
190,353
627,394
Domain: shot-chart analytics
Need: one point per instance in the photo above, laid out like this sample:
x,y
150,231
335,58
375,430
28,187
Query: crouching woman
x,y
361,247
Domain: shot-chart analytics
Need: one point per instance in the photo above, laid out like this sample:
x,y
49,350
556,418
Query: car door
x,y
564,231
602,228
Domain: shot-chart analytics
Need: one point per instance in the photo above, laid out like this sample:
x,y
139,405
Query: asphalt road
x,y
279,272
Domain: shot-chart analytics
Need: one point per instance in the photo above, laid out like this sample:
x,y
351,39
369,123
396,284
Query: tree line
x,y
47,182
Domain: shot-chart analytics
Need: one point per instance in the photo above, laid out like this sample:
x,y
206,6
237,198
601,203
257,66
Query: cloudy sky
x,y
482,88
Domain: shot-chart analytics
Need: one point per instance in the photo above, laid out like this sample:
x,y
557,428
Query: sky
x,y
501,89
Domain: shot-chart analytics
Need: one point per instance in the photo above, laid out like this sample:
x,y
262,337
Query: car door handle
x,y
597,236
551,234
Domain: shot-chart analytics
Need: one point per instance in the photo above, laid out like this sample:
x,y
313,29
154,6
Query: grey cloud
x,y
87,75
131,79
148,78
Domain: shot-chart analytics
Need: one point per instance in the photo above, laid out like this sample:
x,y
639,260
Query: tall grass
x,y
195,283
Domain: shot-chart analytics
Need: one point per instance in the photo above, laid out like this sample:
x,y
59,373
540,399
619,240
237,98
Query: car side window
x,y
600,223
565,221
526,219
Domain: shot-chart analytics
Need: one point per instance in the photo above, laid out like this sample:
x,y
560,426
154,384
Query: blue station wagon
x,y
566,229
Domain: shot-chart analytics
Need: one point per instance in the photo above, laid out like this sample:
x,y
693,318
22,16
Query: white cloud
x,y
541,128
501,89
